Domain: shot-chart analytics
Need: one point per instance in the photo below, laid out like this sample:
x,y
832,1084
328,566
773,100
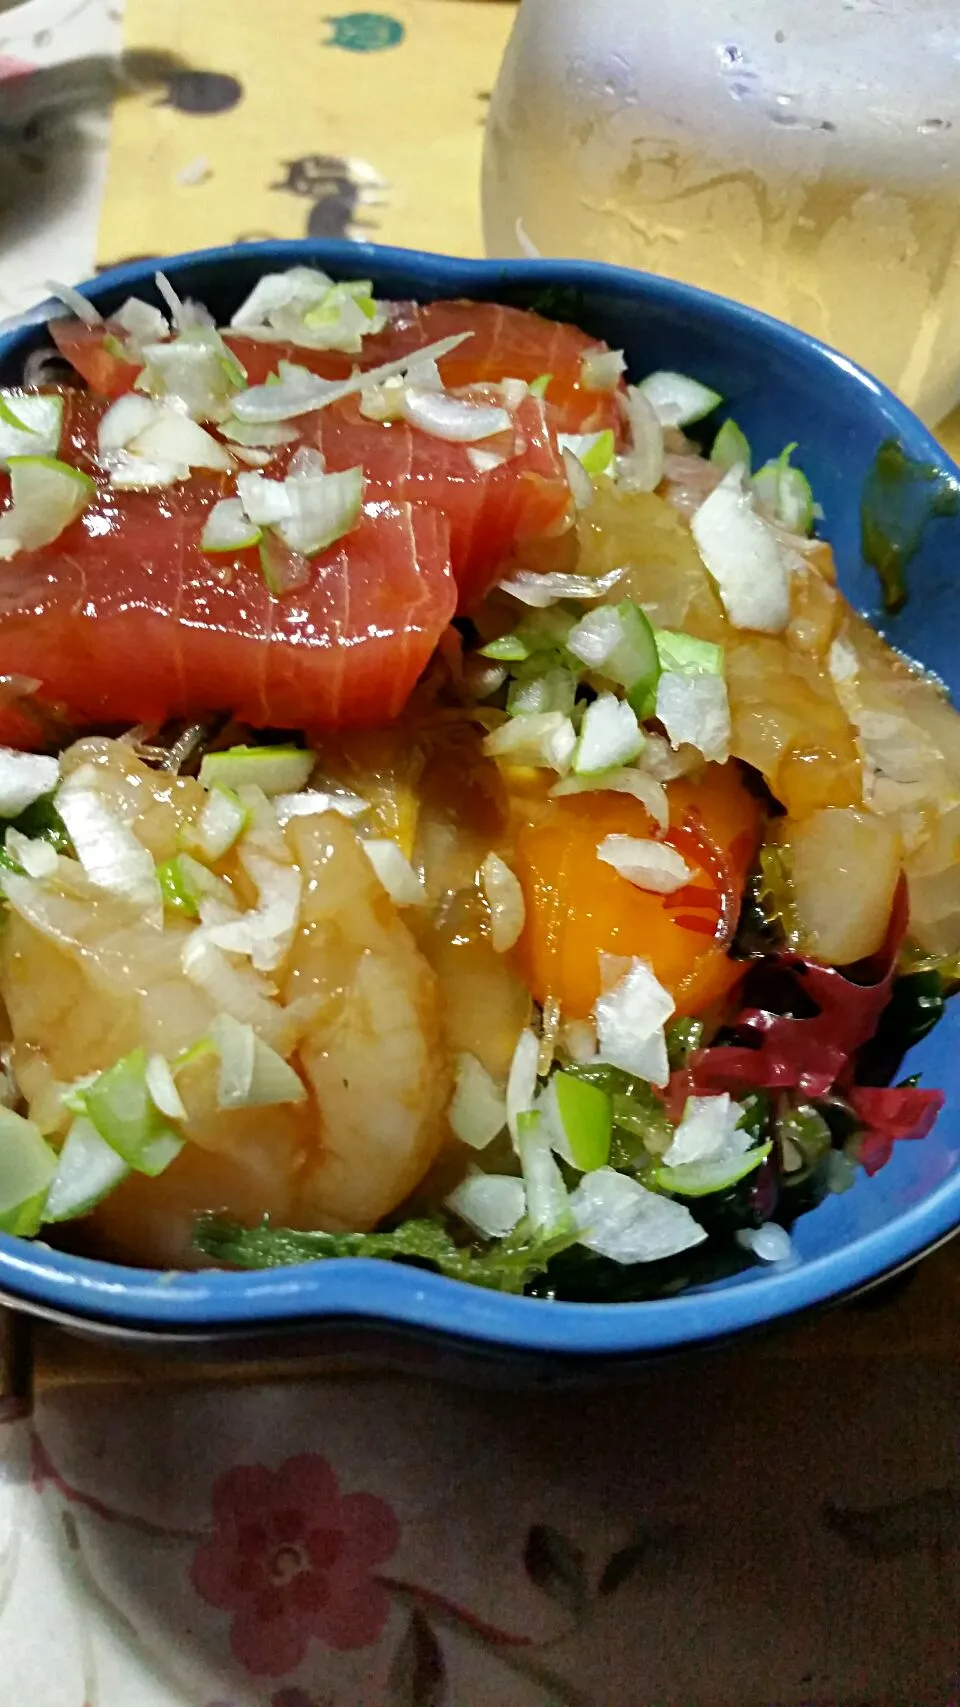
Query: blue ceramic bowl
x,y
780,386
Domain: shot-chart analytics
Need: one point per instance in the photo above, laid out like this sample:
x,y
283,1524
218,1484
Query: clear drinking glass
x,y
804,158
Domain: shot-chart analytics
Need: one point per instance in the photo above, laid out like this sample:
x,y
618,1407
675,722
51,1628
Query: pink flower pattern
x,y
293,1559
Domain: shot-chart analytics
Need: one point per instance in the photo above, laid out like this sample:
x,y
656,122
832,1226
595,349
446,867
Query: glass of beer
x,y
804,159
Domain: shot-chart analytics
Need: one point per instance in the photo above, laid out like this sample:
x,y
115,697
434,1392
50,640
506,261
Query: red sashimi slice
x,y
84,347
125,619
492,512
504,343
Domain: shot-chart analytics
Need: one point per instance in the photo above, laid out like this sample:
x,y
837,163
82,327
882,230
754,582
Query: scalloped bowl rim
x,y
93,1292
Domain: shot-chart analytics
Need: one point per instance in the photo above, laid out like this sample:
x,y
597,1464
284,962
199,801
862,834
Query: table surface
x,y
774,1523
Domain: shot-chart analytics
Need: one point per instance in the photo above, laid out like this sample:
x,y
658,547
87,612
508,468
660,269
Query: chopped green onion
x,y
684,1037
699,1179
27,1165
586,1114
785,492
547,690
30,424
47,497
593,451
538,386
227,528
634,663
686,655
276,770
124,1113
677,399
88,1168
178,894
731,446
507,649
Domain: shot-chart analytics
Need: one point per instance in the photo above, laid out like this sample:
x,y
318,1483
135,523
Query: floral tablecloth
x,y
746,1529
778,1524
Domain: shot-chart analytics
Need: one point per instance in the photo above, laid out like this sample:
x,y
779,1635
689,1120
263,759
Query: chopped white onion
x,y
264,932
76,302
252,1074
548,1205
618,1218
142,474
235,1043
223,817
395,872
708,1132
303,392
87,1169
600,370
30,425
522,1080
312,802
647,789
769,1243
24,777
647,864
545,738
695,711
743,556
581,486
47,497
107,848
143,323
492,1204
227,528
235,989
610,736
38,858
453,418
163,1089
485,461
124,420
425,376
630,1019
640,469
505,900
308,510
276,291
170,297
173,437
196,370
539,591
595,636
478,1107
304,306
677,399
271,435
525,244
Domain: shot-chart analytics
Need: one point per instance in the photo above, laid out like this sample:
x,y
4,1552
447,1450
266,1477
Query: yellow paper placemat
x,y
285,121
